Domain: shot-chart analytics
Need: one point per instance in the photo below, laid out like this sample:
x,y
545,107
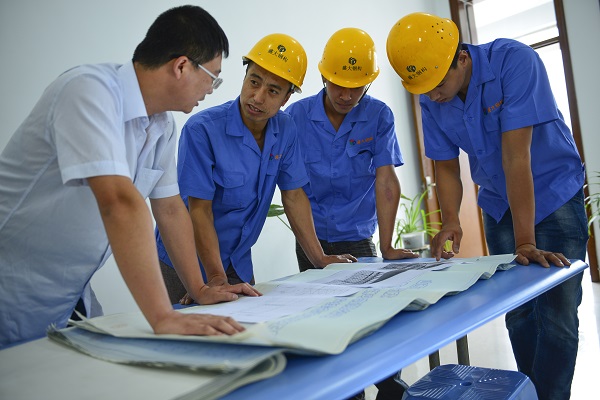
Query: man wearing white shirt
x,y
75,175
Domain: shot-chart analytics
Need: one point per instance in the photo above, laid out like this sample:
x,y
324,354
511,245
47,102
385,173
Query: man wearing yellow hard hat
x,y
494,102
350,150
230,159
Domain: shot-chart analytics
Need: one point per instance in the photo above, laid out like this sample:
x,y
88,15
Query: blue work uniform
x,y
219,160
342,165
502,96
509,89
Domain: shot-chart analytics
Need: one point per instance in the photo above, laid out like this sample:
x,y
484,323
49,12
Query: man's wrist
x,y
525,244
218,278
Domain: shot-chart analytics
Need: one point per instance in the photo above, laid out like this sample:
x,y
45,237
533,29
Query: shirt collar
x,y
133,102
481,71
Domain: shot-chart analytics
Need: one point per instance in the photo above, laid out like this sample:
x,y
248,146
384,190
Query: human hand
x,y
240,288
332,259
529,252
220,293
186,300
452,232
196,324
398,254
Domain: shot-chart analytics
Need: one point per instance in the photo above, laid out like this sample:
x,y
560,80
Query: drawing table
x,y
407,337
46,369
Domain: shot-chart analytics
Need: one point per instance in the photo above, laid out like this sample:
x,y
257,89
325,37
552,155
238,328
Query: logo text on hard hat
x,y
414,73
351,68
279,52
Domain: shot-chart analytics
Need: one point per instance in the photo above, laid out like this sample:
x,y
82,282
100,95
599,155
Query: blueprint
x,y
305,319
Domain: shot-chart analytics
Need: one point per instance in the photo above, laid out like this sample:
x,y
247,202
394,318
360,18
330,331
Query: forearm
x,y
299,214
387,198
128,225
206,239
449,190
175,226
516,163
521,200
519,188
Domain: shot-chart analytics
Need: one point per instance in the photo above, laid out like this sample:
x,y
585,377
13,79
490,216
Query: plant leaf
x,y
275,210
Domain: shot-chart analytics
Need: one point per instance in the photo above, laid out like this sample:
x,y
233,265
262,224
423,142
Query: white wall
x,y
583,27
40,39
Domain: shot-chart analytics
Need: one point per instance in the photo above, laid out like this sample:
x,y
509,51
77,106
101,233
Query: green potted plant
x,y
592,203
413,226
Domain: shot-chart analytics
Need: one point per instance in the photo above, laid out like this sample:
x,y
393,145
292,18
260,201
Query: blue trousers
x,y
544,331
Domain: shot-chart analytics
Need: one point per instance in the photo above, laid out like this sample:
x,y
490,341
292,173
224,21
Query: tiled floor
x,y
489,347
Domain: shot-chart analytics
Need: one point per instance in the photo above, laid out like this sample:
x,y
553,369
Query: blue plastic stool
x,y
454,382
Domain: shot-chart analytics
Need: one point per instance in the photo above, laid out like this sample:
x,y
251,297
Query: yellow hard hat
x,y
349,59
421,48
281,55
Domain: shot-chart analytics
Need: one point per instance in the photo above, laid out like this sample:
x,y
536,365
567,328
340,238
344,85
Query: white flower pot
x,y
413,240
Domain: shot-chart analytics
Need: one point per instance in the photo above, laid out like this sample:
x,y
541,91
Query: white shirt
x,y
90,122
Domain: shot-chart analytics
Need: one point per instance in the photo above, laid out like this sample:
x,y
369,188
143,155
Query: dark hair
x,y
182,31
455,59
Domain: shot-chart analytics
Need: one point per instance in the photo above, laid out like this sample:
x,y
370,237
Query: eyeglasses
x,y
216,80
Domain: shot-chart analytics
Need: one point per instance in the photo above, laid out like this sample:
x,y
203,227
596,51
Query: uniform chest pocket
x,y
146,179
234,194
491,122
312,160
312,156
273,167
361,160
